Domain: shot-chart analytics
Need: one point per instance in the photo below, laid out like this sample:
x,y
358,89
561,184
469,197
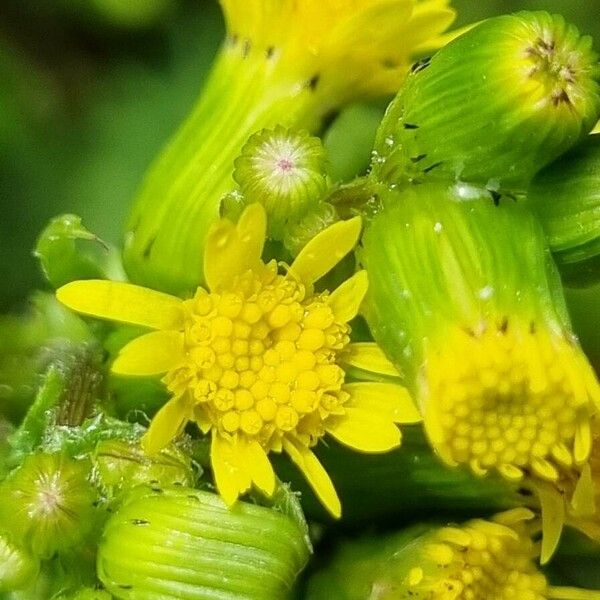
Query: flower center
x,y
509,399
261,361
481,559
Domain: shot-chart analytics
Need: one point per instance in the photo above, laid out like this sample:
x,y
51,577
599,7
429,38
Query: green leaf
x,y
68,251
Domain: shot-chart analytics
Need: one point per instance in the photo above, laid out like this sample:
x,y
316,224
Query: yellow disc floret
x,y
261,361
510,398
494,560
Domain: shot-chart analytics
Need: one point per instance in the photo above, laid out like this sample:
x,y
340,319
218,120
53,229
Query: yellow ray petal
x,y
583,501
151,354
345,301
365,431
553,519
258,465
388,399
228,469
166,425
315,474
368,356
326,250
234,249
122,302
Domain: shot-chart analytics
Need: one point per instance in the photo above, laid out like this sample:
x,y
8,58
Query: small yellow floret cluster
x,y
481,559
519,402
262,360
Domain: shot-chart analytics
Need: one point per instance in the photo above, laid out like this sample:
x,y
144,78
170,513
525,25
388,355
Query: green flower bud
x,y
465,300
186,544
565,197
494,106
479,559
17,568
121,465
46,504
284,170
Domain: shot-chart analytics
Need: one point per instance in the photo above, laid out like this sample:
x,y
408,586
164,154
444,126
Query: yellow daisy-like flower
x,y
256,359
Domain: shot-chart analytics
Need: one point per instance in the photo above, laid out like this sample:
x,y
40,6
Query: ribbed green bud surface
x,y
17,568
284,170
565,197
440,254
186,544
47,504
494,106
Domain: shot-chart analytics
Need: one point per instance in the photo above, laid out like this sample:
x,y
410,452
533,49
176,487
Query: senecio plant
x,y
278,358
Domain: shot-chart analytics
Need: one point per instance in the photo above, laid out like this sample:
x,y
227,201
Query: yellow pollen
x,y
261,362
494,400
480,559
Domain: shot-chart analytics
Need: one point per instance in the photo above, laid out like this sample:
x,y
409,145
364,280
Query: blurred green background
x,y
91,89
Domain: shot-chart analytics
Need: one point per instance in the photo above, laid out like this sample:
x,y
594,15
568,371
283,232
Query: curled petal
x,y
368,356
166,425
227,464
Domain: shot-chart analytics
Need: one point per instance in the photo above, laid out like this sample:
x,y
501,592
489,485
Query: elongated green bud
x,y
479,559
284,170
465,300
566,199
289,63
186,544
46,505
17,568
494,106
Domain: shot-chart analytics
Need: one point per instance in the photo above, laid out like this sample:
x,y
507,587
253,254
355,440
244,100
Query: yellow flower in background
x,y
292,63
359,48
256,358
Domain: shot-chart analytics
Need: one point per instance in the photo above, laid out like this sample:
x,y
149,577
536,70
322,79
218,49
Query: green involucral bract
x,y
185,544
565,197
494,106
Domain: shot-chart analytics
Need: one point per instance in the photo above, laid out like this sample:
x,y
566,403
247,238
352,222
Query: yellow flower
x,y
521,402
256,359
364,46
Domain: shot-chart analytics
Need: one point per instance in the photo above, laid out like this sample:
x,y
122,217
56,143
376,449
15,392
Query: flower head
x,y
255,359
463,297
520,403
